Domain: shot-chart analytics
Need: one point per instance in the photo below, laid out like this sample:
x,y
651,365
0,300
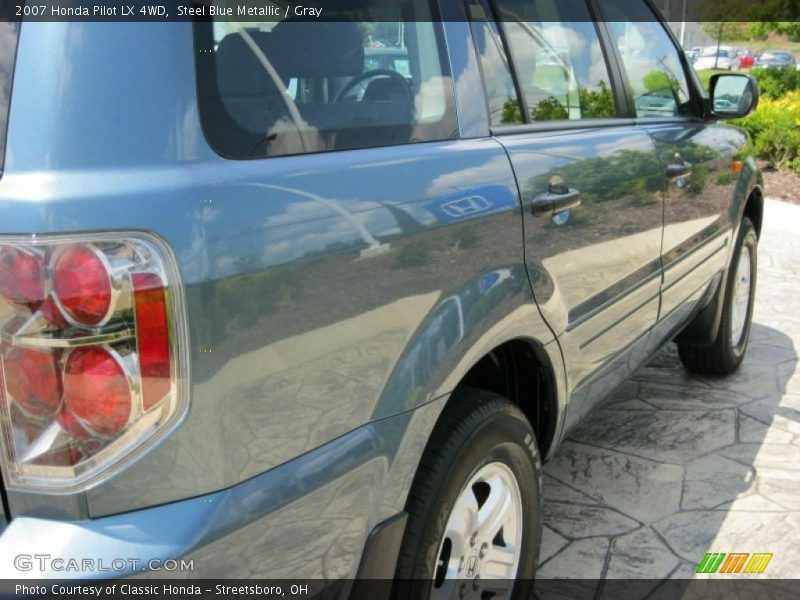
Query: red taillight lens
x,y
91,347
96,390
21,275
32,380
153,337
82,284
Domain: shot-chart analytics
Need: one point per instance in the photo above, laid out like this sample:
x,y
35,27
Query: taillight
x,y
93,356
97,390
82,284
152,325
21,274
32,379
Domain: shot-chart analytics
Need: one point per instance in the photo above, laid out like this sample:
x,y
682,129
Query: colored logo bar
x,y
734,562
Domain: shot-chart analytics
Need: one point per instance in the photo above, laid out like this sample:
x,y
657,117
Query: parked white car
x,y
712,59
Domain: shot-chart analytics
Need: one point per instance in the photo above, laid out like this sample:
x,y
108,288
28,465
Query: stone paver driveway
x,y
675,465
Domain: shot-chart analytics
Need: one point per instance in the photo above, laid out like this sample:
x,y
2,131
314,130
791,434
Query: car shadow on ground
x,y
673,466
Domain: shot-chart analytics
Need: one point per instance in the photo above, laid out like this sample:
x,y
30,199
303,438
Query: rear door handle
x,y
676,171
549,203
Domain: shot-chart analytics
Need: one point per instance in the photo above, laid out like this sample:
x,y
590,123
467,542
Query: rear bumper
x,y
307,519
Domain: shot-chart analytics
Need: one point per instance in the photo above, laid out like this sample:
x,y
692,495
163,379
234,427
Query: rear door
x,y
700,160
594,261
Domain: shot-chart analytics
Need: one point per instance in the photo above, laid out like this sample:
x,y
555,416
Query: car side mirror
x,y
733,95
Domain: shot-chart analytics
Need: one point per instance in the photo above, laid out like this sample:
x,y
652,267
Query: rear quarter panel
x,y
323,292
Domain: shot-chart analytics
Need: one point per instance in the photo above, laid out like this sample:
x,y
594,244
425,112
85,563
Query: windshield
x,y
9,32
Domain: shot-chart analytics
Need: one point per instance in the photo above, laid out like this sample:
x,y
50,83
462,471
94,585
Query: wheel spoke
x,y
462,522
499,562
496,510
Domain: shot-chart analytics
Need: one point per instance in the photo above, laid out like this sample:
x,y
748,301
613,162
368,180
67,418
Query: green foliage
x,y
594,104
413,254
725,178
774,82
659,81
467,236
705,76
697,182
549,109
512,113
253,295
775,130
743,19
760,30
597,104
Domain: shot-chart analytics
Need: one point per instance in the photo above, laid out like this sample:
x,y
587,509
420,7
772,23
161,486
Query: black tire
x,y
477,429
725,355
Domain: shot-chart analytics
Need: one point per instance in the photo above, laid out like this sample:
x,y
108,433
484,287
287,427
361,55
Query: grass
x,y
705,75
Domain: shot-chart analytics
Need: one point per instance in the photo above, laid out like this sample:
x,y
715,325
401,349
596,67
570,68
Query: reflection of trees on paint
x,y
604,178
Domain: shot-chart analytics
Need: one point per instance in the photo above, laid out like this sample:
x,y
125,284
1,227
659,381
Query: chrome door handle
x,y
549,203
677,171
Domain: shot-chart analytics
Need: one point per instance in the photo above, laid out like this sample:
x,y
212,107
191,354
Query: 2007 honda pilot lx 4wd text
x,y
309,298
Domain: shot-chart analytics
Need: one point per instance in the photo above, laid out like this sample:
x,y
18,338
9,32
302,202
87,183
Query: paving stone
x,y
691,534
642,489
781,417
667,376
784,492
627,391
752,502
690,398
663,435
753,431
712,480
775,457
575,521
581,559
551,544
555,491
640,555
632,405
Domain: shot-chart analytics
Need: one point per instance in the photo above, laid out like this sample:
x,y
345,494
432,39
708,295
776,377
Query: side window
x,y
501,96
557,56
650,59
378,76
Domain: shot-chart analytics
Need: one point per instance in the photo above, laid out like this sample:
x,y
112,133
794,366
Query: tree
x,y
718,17
747,19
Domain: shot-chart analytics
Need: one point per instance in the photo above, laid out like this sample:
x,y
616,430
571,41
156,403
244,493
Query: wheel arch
x,y
754,208
528,373
702,329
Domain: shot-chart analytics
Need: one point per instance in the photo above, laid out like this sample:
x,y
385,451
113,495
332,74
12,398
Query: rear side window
x,y
558,60
9,33
377,77
651,60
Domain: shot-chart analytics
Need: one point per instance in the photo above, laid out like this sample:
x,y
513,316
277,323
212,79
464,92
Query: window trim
x,y
562,125
695,99
487,7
